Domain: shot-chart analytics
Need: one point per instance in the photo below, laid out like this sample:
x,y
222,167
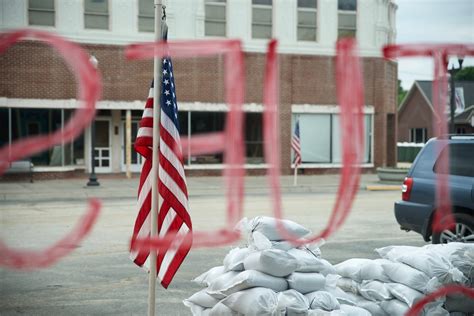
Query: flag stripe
x,y
296,144
173,217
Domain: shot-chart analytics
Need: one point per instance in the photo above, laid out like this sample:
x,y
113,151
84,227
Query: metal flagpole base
x,y
93,181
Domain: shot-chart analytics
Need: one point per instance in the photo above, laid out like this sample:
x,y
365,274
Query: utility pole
x,y
453,71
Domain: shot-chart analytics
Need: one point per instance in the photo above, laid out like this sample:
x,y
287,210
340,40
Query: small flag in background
x,y
459,99
296,145
173,216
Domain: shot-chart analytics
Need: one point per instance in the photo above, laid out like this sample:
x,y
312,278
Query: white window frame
x,y
424,135
143,16
97,14
347,12
207,19
41,10
298,25
267,7
332,109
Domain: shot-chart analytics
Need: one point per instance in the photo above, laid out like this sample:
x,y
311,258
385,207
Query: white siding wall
x,y
186,21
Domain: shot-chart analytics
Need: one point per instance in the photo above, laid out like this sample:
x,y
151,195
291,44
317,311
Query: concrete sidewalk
x,y
123,188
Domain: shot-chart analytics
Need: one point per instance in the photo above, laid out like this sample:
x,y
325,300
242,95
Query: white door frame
x,y
101,151
133,167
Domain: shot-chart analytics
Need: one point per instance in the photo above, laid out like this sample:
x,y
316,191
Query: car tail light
x,y
406,188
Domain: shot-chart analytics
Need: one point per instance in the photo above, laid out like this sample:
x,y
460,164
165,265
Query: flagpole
x,y
155,160
296,173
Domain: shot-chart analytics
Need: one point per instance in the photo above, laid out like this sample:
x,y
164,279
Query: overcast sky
x,y
432,21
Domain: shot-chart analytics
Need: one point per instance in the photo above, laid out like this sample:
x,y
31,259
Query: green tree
x,y
401,92
466,74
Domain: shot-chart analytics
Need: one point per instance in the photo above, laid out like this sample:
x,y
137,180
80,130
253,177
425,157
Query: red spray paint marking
x,y
443,218
449,289
89,92
230,142
350,94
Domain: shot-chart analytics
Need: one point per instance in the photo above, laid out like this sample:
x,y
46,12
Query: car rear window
x,y
461,159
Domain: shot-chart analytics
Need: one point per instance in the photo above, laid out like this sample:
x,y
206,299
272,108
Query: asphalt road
x,y
98,278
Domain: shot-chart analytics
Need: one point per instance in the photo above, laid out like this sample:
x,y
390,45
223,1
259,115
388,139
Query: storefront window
x,y
207,122
321,137
20,123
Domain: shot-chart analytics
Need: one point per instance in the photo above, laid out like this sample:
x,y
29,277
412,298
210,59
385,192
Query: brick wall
x,y
416,113
33,70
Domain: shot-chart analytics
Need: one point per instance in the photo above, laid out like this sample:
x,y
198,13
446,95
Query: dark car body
x,y
415,211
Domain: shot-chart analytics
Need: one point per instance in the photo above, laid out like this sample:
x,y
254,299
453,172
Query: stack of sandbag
x,y
391,285
269,277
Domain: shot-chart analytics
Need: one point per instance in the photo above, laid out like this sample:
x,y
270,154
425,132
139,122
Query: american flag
x,y
296,145
173,216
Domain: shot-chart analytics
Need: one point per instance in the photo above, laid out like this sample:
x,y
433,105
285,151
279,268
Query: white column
x,y
116,145
327,24
69,16
13,14
123,15
239,19
128,142
285,21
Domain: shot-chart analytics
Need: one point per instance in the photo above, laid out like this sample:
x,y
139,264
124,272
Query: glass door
x,y
136,163
103,149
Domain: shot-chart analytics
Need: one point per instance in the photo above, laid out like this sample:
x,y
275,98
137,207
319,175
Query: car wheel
x,y
463,231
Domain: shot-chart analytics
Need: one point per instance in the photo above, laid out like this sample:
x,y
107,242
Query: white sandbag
x,y
404,274
359,269
404,293
348,285
351,268
374,291
282,245
394,307
459,303
268,227
293,302
219,283
274,262
354,310
320,312
201,298
314,248
210,275
245,280
372,270
342,297
196,310
392,253
322,300
220,309
234,260
259,242
434,309
254,302
373,307
310,282
309,262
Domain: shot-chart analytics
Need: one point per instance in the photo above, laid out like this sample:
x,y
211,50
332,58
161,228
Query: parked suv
x,y
415,211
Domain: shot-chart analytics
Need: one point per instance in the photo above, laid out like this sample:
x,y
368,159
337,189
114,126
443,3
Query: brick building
x,y
38,92
416,112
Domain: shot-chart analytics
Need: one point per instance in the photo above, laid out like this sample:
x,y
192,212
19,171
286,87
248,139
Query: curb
x,y
383,187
